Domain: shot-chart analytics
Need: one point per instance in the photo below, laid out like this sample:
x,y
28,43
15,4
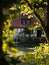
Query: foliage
x,y
40,56
41,13
8,42
34,27
25,9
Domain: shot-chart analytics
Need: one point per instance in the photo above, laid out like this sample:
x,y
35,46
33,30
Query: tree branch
x,y
36,14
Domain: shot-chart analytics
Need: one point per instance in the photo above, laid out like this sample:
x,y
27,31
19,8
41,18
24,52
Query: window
x,y
25,21
39,32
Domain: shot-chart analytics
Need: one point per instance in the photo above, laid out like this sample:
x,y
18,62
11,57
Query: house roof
x,y
16,22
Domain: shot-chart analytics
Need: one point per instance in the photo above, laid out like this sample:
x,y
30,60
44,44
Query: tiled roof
x,y
16,22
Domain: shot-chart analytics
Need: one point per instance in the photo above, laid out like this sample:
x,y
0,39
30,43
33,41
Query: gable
x,y
23,21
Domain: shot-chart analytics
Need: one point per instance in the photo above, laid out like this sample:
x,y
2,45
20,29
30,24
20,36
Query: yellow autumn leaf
x,y
4,47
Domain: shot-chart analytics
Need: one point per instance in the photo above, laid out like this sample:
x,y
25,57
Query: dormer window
x,y
25,21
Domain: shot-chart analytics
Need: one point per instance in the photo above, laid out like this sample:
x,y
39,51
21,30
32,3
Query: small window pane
x,y
26,21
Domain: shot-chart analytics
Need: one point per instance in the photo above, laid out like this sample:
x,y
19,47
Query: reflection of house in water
x,y
24,37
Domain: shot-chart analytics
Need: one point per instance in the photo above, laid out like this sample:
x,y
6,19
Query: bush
x,y
39,57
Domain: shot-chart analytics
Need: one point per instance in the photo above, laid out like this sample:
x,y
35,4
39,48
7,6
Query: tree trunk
x,y
44,27
47,27
1,23
2,55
